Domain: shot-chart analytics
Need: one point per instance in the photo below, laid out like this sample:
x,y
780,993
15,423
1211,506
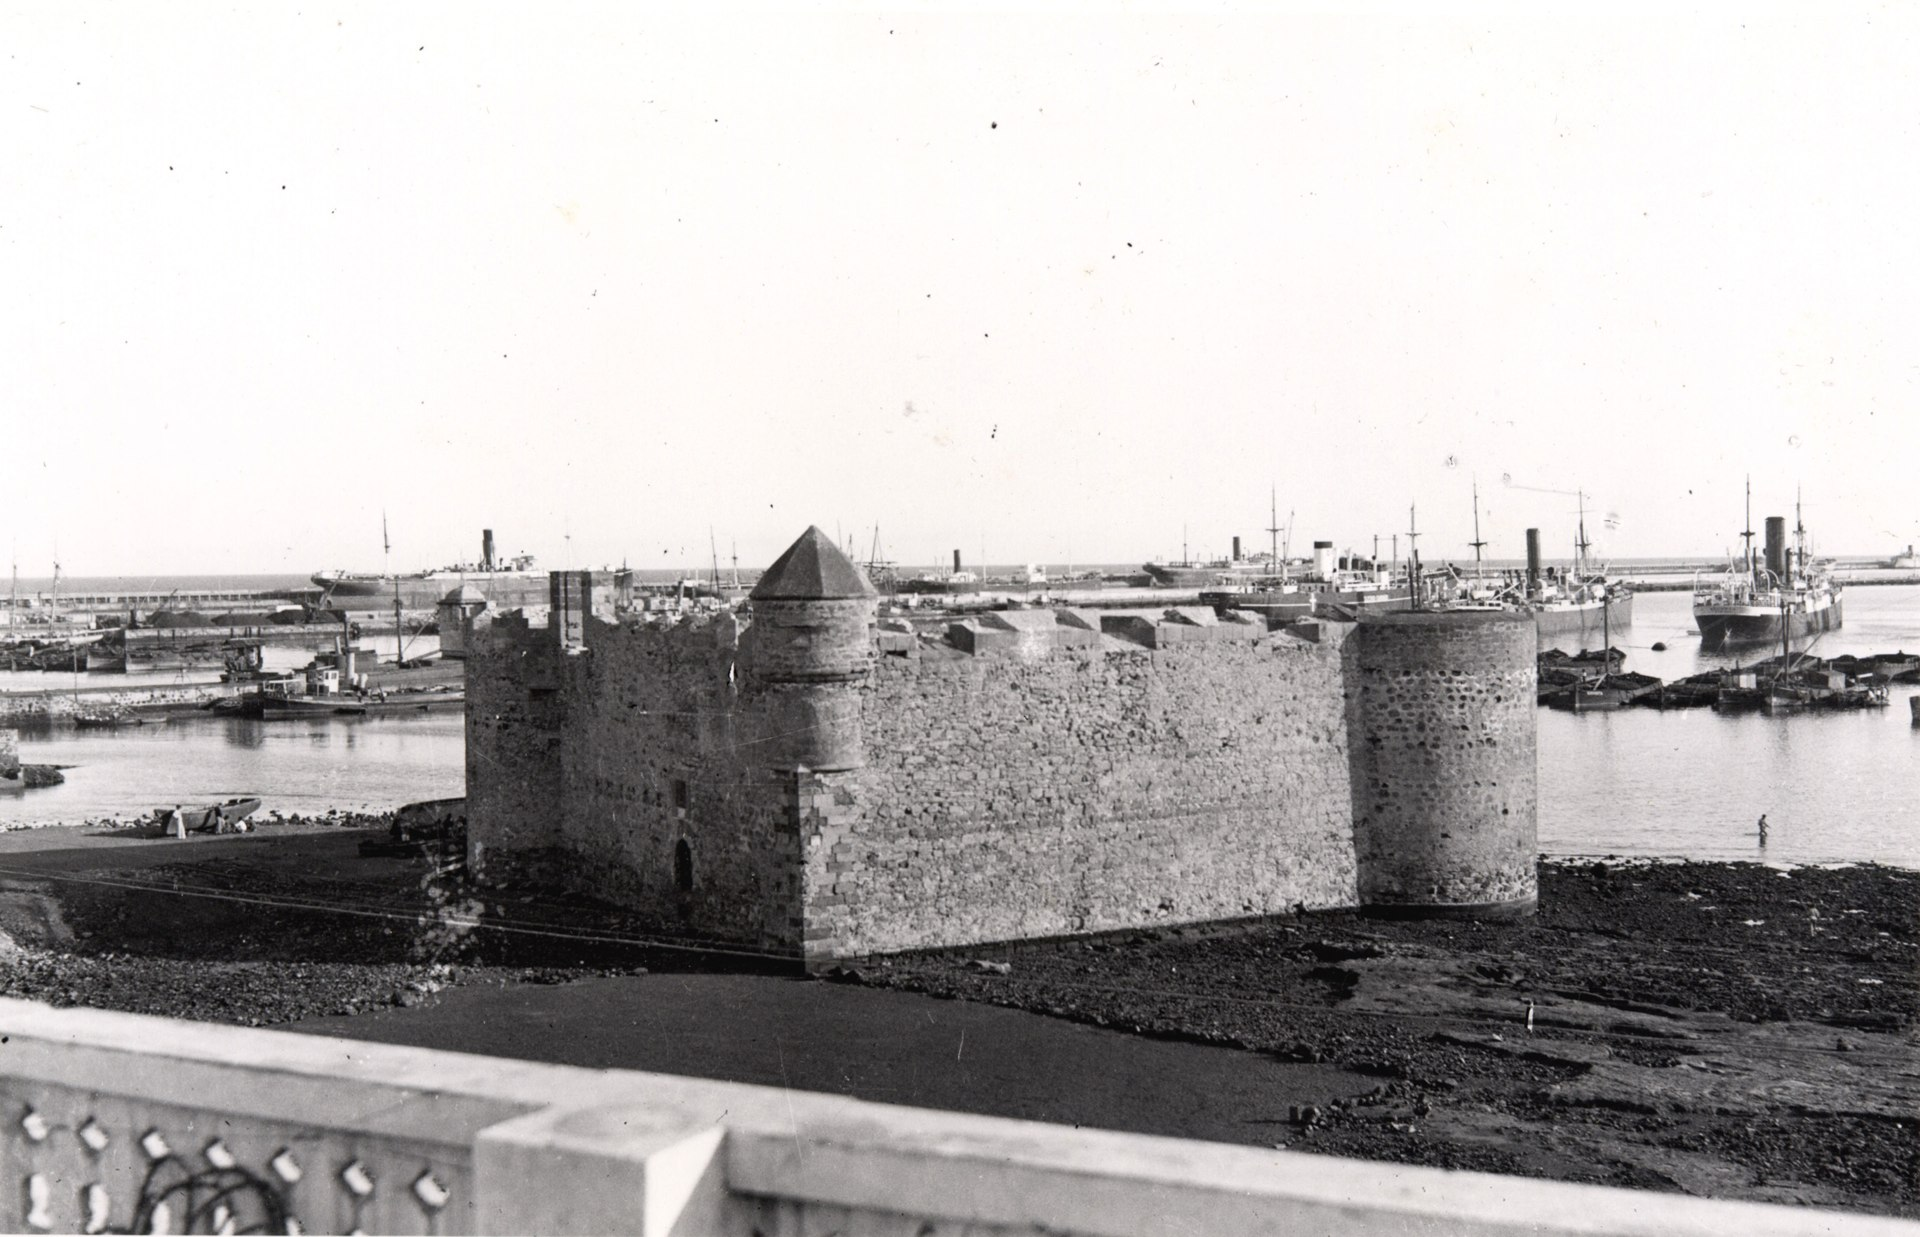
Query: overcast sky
x,y
1049,287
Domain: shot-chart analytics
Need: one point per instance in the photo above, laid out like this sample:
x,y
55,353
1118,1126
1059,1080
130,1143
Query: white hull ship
x,y
1330,588
505,582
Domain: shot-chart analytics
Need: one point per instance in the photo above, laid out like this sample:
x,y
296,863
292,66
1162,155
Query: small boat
x,y
104,719
1610,692
287,708
214,818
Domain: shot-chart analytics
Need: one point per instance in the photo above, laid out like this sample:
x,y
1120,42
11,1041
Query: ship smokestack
x,y
1533,558
956,560
486,549
1236,549
1777,545
1323,559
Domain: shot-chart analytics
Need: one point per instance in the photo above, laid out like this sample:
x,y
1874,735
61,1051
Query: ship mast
x,y
1580,542
1747,536
399,631
1476,543
1413,555
1799,538
1273,523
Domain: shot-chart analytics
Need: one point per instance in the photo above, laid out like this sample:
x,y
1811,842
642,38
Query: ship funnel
x,y
1533,559
1323,559
1236,549
486,549
1777,545
956,560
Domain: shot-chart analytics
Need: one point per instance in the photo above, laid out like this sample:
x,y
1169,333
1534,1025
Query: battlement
x,y
809,777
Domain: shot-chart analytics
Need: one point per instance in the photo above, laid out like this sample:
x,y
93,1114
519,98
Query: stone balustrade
x,y
117,1122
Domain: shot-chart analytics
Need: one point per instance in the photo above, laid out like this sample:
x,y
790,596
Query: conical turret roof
x,y
812,569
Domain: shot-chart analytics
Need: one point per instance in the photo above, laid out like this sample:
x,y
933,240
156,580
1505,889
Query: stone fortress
x,y
807,779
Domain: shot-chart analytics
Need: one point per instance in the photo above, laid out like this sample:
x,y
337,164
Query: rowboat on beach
x,y
225,817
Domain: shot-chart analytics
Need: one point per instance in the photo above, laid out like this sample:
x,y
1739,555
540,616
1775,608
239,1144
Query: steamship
x,y
1333,587
1782,597
1576,605
1188,574
959,580
504,581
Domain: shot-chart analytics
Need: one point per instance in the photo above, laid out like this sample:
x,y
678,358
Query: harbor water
x,y
306,766
1834,787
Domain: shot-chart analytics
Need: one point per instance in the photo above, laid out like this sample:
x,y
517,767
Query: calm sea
x,y
1834,787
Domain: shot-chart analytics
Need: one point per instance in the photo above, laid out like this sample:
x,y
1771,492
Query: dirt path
x,y
891,1047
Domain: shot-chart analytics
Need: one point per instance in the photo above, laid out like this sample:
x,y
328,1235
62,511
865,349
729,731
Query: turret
x,y
1444,788
809,649
456,613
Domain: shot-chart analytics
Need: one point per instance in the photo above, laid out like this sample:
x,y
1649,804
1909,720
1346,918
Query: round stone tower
x,y
810,646
1444,790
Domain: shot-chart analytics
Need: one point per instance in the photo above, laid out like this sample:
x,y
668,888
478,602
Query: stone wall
x,y
43,708
672,806
1068,785
1090,789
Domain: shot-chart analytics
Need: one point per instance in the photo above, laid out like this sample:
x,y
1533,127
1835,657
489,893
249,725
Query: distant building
x,y
455,614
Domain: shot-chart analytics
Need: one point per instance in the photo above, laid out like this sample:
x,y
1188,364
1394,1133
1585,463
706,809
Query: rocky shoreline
x,y
1731,1030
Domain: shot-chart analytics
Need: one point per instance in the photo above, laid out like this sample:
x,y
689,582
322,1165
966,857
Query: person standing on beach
x,y
1763,830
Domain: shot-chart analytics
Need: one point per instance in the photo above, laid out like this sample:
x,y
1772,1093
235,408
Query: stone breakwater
x,y
31,709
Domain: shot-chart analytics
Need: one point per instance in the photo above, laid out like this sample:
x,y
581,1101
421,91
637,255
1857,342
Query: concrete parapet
x,y
1083,620
122,1122
1037,632
1444,781
1132,626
